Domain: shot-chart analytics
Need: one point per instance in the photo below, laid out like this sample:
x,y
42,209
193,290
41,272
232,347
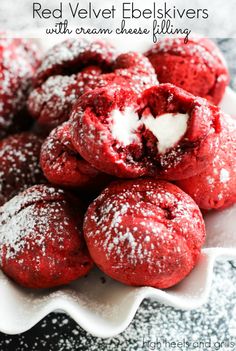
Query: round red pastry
x,y
166,133
62,77
41,242
18,60
19,160
144,232
196,66
73,55
62,165
215,187
51,102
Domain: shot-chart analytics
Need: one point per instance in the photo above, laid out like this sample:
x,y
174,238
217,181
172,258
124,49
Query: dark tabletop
x,y
155,327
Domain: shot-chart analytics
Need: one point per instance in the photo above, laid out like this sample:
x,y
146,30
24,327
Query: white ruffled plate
x,y
104,307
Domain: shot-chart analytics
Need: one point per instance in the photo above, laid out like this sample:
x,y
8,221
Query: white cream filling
x,y
124,125
168,128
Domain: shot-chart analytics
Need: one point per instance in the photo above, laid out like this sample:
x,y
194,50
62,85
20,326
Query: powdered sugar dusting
x,y
24,224
224,175
215,186
18,61
72,53
196,47
19,156
140,73
52,102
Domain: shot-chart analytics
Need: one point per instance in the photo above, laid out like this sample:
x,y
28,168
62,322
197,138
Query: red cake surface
x,y
19,164
215,187
196,66
62,165
62,77
144,232
131,70
51,103
18,60
166,133
136,69
41,242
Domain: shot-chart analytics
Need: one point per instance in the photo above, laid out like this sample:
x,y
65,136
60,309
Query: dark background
x,y
211,327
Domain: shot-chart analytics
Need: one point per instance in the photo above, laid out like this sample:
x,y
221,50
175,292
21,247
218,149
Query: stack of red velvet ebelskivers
x,y
141,132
